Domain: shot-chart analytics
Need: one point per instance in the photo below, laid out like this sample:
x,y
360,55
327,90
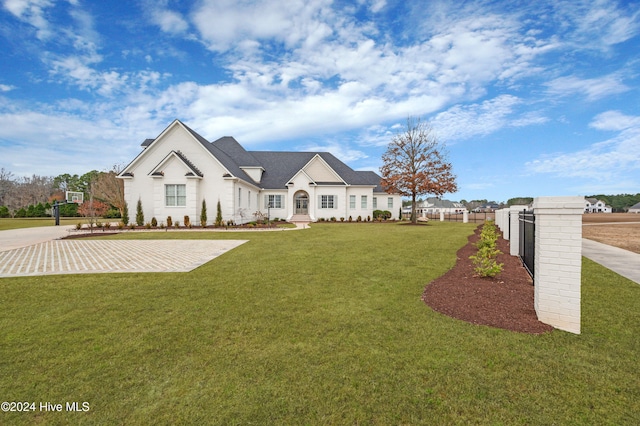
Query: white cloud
x,y
338,149
6,88
613,22
222,23
609,161
377,5
466,121
593,88
33,13
614,120
169,21
43,141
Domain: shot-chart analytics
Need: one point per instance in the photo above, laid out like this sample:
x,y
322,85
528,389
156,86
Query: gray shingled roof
x,y
279,167
241,156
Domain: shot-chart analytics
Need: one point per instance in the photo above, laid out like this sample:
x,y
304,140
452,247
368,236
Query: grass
x,y
11,223
321,326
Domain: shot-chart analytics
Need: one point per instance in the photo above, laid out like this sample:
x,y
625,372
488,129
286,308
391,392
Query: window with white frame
x,y
175,195
274,200
375,203
249,199
390,202
352,202
327,201
239,197
363,201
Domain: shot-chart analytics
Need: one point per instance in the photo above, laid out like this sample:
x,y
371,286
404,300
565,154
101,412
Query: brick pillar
x,y
499,223
504,221
558,261
514,229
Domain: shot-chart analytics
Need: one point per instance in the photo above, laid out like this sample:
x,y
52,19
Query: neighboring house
x,y
489,207
635,208
180,168
593,205
434,205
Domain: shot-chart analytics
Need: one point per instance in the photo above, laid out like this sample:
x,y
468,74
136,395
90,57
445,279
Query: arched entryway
x,y
301,202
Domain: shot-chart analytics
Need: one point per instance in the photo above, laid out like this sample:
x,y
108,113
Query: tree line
x,y
33,196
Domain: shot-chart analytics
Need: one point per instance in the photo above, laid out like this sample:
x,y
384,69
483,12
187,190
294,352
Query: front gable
x,y
175,164
319,172
181,141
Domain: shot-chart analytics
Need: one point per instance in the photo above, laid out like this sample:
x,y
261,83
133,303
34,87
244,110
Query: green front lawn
x,y
318,326
11,223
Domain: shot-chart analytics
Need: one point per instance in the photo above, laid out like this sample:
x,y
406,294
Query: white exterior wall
x,y
174,173
558,261
340,203
212,187
287,204
383,198
245,202
358,210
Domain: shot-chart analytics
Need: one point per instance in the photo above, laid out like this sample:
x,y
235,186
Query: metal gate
x,y
527,221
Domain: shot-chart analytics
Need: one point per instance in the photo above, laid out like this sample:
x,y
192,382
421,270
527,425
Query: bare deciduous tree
x,y
6,185
108,188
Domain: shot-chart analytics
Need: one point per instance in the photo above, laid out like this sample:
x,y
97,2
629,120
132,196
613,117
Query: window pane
x,y
390,202
175,195
363,201
181,197
352,201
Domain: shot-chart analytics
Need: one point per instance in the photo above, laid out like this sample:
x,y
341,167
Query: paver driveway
x,y
78,256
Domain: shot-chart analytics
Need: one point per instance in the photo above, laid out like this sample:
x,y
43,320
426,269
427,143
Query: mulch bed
x,y
505,301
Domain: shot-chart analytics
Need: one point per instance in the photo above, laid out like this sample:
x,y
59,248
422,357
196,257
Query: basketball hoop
x,y
75,197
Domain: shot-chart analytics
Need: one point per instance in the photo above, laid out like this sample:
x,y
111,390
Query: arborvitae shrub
x,y
139,213
203,214
218,215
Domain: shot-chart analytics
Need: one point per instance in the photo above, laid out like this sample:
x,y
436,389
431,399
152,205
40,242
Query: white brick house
x,y
179,168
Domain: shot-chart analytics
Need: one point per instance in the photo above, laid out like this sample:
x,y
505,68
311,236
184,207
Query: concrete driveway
x,y
620,261
17,238
40,251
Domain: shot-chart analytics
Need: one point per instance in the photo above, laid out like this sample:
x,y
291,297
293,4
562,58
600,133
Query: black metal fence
x,y
527,221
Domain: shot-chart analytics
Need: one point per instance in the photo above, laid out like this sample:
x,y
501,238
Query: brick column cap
x,y
558,205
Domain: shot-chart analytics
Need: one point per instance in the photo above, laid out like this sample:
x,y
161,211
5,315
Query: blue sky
x,y
531,98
